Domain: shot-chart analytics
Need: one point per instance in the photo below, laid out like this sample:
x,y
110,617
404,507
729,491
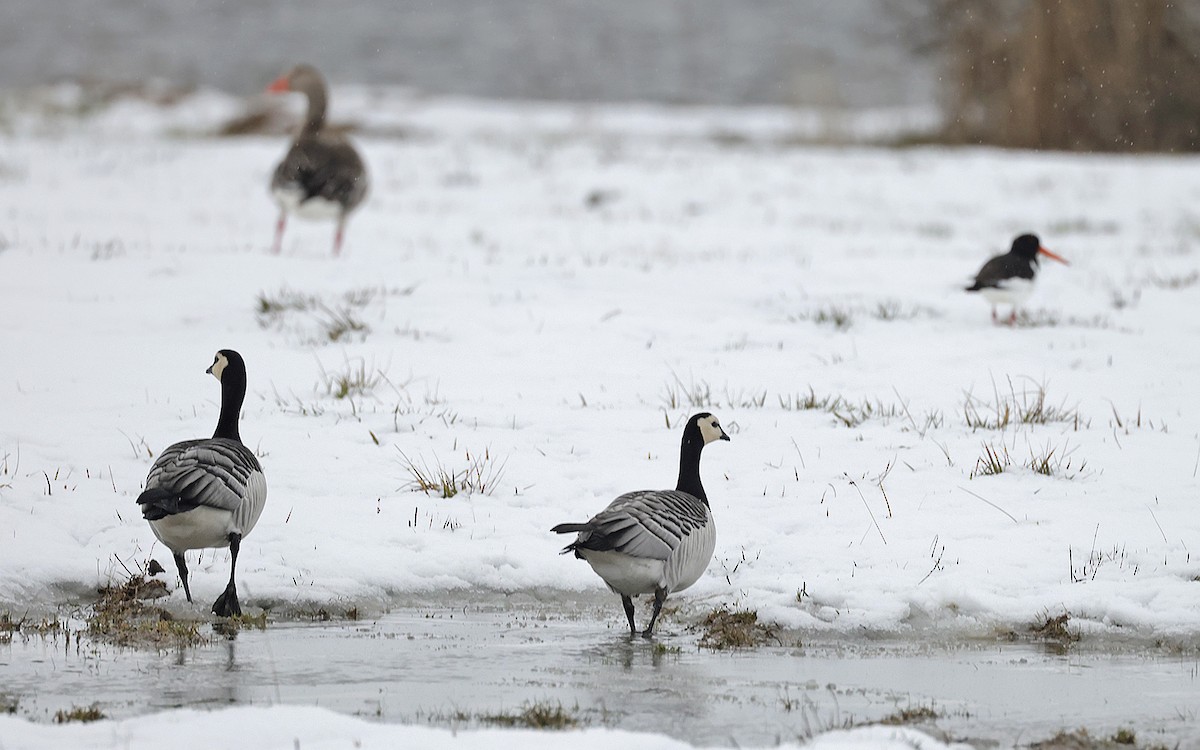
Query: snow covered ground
x,y
534,298
542,305
288,727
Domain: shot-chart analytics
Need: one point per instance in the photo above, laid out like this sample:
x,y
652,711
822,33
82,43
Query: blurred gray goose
x,y
321,176
654,541
208,493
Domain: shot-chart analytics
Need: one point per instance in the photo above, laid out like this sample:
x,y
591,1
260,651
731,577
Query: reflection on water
x,y
444,666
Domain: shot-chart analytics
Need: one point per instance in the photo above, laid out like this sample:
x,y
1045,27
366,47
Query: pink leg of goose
x,y
337,238
277,246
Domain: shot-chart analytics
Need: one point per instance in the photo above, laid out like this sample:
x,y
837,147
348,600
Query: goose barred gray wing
x,y
647,524
216,473
323,166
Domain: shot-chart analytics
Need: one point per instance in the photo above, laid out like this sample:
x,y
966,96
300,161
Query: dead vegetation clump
x,y
122,617
910,715
45,626
535,716
1054,629
725,629
531,715
1081,739
82,714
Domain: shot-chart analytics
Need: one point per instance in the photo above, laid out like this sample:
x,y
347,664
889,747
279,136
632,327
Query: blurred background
x,y
847,52
1080,75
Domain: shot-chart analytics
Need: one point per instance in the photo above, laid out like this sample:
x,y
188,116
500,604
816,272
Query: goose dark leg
x,y
995,318
1012,319
337,238
277,246
227,604
182,565
660,596
628,602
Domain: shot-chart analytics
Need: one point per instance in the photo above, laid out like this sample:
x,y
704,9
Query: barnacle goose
x,y
654,541
1008,279
322,176
208,493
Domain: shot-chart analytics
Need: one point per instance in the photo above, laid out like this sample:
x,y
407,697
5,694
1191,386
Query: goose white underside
x,y
628,576
206,526
1013,292
195,529
291,200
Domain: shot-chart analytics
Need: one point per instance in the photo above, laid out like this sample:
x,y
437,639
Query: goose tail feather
x,y
567,528
157,503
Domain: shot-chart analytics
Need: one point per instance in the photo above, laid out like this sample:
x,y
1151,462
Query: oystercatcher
x,y
1008,279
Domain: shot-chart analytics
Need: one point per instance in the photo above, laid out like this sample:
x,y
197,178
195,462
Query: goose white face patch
x,y
710,430
218,366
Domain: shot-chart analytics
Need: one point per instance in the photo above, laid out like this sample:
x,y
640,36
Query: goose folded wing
x,y
644,524
213,473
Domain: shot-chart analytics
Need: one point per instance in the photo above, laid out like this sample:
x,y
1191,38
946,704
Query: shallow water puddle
x,y
449,667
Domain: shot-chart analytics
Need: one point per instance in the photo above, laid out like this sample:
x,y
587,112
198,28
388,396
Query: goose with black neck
x,y
208,493
654,541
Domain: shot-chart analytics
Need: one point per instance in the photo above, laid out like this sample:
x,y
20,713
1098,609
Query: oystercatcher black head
x,y
1029,246
1008,279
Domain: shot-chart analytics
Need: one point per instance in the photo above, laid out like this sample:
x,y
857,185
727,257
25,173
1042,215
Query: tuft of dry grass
x,y
533,715
1027,406
1050,461
839,317
355,379
993,461
847,412
725,629
1056,461
698,394
536,716
81,714
481,475
321,318
910,715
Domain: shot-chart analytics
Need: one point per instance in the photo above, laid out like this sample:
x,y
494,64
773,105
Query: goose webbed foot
x,y
227,604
